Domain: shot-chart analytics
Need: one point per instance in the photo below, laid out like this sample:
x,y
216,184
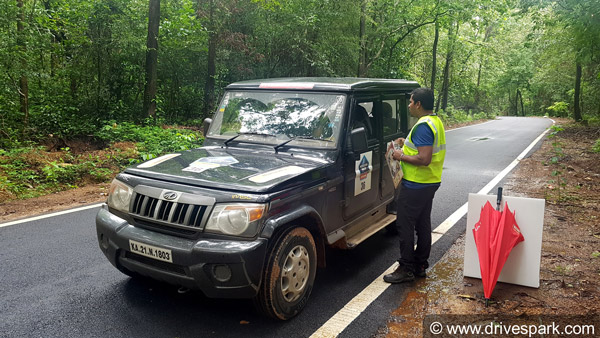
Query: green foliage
x,y
558,167
558,109
555,130
596,147
85,60
28,171
152,140
453,116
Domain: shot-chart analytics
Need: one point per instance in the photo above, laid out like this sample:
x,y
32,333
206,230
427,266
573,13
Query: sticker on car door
x,y
363,169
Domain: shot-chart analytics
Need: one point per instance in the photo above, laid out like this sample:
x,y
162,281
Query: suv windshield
x,y
311,119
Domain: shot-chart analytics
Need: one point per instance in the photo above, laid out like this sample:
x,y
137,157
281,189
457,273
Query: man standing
x,y
422,158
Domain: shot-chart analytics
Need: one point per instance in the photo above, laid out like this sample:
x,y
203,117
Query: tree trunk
x,y
209,85
488,33
152,58
434,55
23,81
577,109
522,106
362,51
517,100
449,56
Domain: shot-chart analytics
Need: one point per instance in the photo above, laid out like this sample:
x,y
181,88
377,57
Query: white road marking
x,y
338,323
2,225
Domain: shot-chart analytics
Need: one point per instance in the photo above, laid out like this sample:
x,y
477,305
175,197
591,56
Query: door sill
x,y
367,232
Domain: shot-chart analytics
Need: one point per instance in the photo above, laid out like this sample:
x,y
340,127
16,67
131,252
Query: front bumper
x,y
218,268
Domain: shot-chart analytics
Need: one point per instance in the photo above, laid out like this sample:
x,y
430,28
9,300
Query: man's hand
x,y
397,155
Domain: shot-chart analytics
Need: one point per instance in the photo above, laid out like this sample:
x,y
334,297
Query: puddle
x,y
479,138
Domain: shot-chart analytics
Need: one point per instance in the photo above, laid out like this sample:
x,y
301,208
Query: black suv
x,y
288,167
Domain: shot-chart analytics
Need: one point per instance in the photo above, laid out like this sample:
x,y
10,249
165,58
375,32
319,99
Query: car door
x,y
362,171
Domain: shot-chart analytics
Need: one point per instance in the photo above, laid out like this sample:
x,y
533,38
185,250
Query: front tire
x,y
289,275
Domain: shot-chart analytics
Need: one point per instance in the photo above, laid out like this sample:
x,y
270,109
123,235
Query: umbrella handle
x,y
499,198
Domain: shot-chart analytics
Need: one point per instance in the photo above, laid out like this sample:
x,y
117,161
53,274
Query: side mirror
x,y
206,125
358,137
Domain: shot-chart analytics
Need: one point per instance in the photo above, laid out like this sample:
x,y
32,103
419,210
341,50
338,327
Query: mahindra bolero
x,y
288,167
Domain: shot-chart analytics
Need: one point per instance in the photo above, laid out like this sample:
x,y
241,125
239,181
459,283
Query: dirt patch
x,y
16,209
566,173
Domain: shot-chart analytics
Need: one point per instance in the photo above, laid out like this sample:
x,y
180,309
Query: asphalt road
x,y
55,282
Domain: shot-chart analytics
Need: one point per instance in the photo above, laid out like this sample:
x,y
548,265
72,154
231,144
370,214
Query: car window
x,y
390,117
313,118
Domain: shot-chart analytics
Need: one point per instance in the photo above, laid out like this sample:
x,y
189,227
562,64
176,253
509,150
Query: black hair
x,y
425,96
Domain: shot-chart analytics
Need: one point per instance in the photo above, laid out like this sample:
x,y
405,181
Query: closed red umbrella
x,y
508,235
495,235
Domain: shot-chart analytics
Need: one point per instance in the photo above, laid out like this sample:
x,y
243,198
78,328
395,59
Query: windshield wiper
x,y
292,138
247,133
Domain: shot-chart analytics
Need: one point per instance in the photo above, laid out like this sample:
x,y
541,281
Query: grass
x,y
31,170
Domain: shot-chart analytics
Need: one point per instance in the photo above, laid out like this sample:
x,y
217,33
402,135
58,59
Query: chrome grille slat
x,y
155,208
183,213
188,214
162,212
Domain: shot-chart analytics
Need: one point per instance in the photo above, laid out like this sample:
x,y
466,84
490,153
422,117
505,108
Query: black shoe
x,y
401,275
420,271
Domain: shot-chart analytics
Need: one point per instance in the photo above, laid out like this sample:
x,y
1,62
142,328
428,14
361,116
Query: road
x,y
55,282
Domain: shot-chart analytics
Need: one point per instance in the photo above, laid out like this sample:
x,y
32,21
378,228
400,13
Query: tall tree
x,y
23,80
452,36
434,55
362,39
576,98
209,84
152,58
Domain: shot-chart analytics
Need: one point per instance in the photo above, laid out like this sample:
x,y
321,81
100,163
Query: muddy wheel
x,y
289,275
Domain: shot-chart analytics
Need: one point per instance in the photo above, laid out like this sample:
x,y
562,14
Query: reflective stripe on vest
x,y
433,172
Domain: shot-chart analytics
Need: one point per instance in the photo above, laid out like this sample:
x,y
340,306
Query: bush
x,y
152,141
454,116
596,147
558,109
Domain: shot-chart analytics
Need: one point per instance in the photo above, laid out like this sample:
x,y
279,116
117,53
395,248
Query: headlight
x,y
240,219
119,195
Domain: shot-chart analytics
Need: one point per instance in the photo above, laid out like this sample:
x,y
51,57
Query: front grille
x,y
155,209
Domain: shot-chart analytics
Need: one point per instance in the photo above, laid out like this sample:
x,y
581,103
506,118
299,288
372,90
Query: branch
x,y
410,30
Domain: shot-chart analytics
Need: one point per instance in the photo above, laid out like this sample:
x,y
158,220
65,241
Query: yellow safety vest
x,y
433,172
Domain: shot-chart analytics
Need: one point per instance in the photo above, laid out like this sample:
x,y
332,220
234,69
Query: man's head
x,y
421,101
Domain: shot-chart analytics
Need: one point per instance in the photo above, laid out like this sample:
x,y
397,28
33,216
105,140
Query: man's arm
x,y
423,158
423,139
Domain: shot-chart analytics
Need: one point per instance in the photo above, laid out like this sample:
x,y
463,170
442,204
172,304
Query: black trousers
x,y
414,216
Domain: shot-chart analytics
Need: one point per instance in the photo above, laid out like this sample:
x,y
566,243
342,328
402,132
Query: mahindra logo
x,y
170,195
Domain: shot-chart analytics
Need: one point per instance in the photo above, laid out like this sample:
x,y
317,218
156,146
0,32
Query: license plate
x,y
151,251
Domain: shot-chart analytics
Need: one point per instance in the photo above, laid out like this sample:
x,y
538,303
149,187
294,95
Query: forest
x,y
111,70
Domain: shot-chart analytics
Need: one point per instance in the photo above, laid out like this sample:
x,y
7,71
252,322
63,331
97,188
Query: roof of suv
x,y
326,83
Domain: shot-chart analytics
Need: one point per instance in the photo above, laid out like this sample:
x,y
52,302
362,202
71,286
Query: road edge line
x,y
58,213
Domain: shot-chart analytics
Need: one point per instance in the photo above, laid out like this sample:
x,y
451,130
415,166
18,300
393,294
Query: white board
x,y
523,264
